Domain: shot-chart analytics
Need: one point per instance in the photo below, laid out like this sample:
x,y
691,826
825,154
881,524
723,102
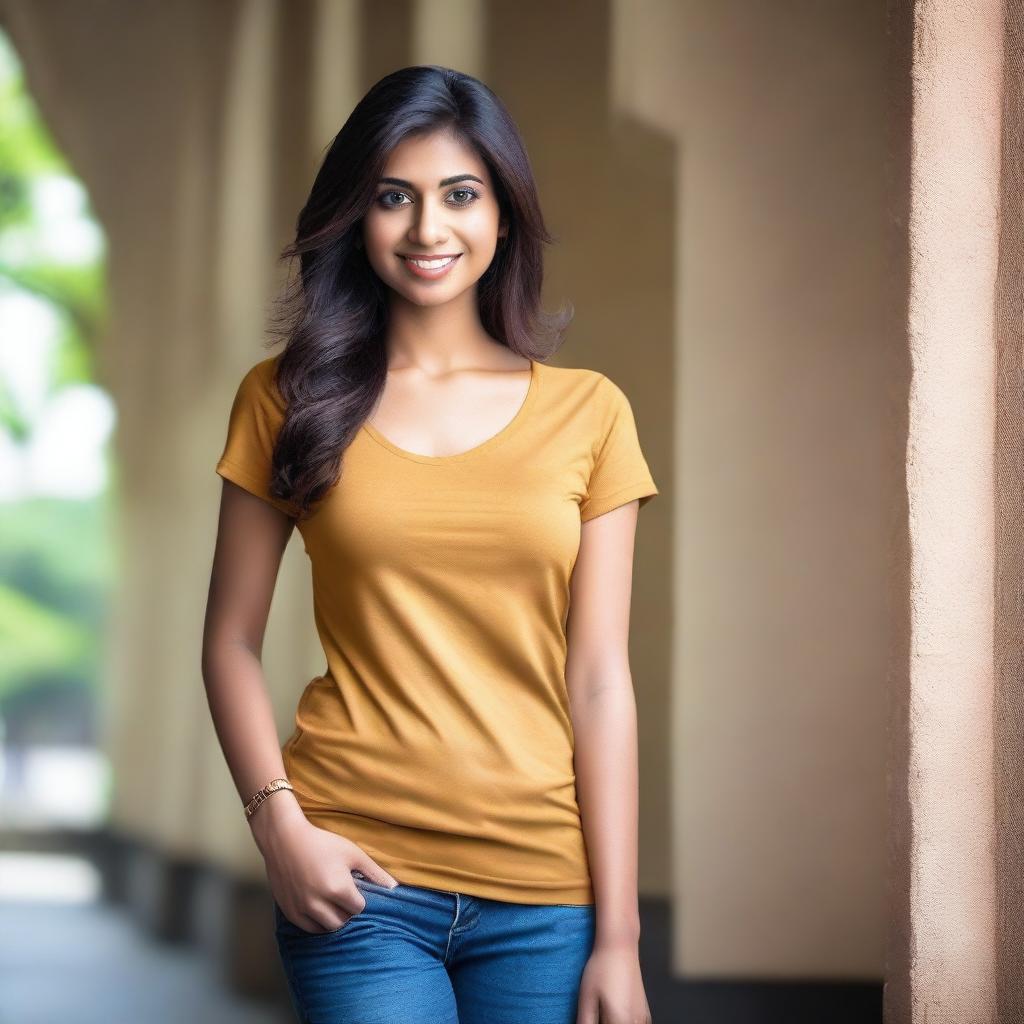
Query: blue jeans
x,y
414,955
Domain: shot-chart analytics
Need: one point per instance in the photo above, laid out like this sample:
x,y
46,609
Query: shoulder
x,y
595,401
259,383
265,371
576,380
597,391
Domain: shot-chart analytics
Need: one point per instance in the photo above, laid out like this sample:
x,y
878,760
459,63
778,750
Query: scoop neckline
x,y
470,453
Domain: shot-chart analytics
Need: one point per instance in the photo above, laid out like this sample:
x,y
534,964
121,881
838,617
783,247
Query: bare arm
x,y
603,711
305,864
251,540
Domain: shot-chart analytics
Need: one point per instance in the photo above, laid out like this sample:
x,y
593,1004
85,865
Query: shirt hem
x,y
644,490
469,883
250,482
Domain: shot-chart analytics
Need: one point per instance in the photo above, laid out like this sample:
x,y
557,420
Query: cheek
x,y
378,232
380,240
481,232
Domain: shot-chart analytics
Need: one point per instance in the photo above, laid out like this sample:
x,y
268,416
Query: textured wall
x,y
957,947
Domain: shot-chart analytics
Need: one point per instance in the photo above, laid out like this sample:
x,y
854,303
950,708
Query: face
x,y
435,199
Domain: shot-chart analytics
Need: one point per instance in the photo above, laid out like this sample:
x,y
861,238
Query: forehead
x,y
426,159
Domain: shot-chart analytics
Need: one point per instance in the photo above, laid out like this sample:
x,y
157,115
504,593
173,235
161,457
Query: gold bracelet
x,y
270,787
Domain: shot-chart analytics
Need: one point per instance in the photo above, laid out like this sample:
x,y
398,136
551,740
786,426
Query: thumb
x,y
376,873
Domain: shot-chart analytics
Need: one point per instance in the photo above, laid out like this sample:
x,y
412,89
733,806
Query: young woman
x,y
450,831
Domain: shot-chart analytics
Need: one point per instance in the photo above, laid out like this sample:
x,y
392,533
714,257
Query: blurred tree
x,y
56,550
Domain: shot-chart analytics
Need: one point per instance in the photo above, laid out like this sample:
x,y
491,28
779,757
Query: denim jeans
x,y
414,955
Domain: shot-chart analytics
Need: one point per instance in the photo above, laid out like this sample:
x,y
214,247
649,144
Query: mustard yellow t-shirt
x,y
439,738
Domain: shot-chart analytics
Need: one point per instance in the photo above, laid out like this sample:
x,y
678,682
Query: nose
x,y
427,228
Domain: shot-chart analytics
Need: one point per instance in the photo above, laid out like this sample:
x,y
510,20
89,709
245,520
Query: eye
x,y
473,195
391,192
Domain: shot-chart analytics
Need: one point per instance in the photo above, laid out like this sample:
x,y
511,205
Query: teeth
x,y
432,264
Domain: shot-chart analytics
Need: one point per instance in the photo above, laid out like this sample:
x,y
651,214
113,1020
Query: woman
x,y
455,836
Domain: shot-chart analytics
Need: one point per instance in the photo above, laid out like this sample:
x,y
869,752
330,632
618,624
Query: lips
x,y
431,262
429,267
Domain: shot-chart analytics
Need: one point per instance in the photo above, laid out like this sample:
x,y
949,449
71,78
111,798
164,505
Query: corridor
x,y
67,956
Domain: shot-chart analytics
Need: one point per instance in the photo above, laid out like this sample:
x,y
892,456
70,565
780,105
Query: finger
x,y
587,1010
309,924
376,873
328,916
358,902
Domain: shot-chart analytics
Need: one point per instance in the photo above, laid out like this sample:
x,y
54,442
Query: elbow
x,y
610,684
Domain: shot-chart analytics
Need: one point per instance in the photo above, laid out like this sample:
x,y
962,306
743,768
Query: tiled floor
x,y
88,963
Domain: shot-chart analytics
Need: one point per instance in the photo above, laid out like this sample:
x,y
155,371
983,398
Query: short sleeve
x,y
257,413
620,472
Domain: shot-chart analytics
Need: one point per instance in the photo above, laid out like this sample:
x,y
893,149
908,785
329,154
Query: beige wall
x,y
607,190
788,352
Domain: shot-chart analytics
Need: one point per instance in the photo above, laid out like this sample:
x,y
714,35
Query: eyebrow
x,y
441,184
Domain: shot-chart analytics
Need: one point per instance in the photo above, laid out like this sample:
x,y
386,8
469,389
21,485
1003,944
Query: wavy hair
x,y
333,315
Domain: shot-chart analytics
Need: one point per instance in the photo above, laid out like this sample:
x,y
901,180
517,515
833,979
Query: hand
x,y
310,868
611,988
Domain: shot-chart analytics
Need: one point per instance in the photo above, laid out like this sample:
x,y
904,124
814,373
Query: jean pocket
x,y
362,882
285,927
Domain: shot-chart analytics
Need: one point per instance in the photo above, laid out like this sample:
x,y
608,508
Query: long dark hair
x,y
333,316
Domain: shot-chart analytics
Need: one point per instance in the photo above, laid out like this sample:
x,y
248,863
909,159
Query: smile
x,y
430,269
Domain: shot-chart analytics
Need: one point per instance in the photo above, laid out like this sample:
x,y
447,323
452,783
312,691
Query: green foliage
x,y
56,555
26,149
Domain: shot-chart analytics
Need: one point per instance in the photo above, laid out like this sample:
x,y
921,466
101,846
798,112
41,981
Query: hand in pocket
x,y
310,874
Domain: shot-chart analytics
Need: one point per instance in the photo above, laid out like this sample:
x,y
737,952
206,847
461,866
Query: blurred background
x,y
729,186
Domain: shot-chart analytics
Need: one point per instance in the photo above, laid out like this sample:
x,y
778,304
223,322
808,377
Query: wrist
x,y
620,932
278,811
618,940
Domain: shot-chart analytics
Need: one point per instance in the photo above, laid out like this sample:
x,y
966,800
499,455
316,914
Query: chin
x,y
428,300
